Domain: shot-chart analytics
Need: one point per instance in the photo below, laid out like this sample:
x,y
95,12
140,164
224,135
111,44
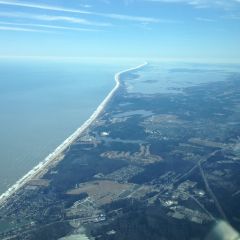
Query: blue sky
x,y
200,29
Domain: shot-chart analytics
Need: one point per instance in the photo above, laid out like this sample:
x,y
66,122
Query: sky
x,y
197,29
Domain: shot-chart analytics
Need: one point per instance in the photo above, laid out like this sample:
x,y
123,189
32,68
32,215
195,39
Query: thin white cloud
x,y
85,5
201,19
169,1
223,4
190,2
70,10
49,26
232,17
70,20
129,18
20,29
51,18
42,6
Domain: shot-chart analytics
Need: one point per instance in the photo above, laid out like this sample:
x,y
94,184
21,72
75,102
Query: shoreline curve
x,y
63,146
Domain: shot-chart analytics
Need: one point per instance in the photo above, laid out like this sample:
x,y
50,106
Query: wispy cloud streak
x,y
53,18
42,6
49,26
70,10
20,29
209,20
223,4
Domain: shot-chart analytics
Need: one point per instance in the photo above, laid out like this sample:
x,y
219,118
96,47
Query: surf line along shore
x,y
62,147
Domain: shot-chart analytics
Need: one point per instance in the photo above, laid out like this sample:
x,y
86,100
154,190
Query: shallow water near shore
x,y
42,102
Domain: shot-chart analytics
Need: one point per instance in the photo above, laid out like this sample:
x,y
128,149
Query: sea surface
x,y
42,102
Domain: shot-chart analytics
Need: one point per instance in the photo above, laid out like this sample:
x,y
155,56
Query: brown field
x,y
103,191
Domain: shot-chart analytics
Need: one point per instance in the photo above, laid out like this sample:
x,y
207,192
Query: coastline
x,y
43,165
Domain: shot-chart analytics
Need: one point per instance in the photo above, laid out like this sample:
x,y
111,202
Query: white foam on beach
x,y
62,147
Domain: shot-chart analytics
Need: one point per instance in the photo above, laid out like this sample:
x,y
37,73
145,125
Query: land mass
x,y
150,166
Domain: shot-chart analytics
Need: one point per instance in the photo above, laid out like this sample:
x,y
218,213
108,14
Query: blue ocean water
x,y
42,102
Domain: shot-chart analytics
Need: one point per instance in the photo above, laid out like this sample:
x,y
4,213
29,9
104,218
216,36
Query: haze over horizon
x,y
204,29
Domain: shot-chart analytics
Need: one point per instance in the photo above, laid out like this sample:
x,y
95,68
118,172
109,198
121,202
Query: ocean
x,y
42,102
